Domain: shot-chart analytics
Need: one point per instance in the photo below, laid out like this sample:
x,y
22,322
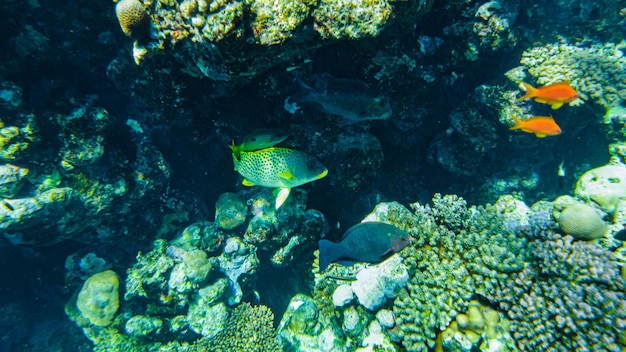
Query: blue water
x,y
140,152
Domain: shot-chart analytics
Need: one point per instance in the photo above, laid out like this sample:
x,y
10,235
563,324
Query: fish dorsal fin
x,y
247,182
261,139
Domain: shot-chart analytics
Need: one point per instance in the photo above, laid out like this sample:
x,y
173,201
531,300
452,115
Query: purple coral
x,y
570,298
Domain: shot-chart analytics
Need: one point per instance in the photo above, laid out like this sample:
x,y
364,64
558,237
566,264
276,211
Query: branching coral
x,y
461,252
571,298
248,329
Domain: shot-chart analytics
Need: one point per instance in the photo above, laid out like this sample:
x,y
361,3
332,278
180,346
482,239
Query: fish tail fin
x,y
236,150
326,255
517,125
531,92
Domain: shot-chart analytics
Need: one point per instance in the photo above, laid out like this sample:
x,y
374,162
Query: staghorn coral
x,y
462,252
133,18
248,329
570,298
595,71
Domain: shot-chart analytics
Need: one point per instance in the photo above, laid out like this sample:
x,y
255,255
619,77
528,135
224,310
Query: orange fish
x,y
555,94
541,126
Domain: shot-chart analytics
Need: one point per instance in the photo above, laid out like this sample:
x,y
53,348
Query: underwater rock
x,y
230,211
304,328
10,96
26,213
206,319
604,185
342,296
11,179
203,235
237,259
582,221
376,283
142,326
15,141
98,300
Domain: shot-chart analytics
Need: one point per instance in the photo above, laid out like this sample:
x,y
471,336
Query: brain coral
x,y
581,221
133,18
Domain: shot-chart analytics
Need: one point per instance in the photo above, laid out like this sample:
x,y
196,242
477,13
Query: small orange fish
x,y
541,126
555,94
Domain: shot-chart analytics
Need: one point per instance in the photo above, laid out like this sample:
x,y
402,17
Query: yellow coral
x,y
133,18
99,300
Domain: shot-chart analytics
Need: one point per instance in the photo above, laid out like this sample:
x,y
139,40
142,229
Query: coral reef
x,y
570,297
466,252
99,299
604,185
351,19
133,18
248,328
581,221
595,70
481,327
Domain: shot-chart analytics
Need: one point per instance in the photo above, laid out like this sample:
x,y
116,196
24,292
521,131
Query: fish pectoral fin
x,y
556,105
247,182
281,197
387,252
287,175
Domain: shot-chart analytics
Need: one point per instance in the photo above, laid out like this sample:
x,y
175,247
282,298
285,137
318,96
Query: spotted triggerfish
x,y
370,242
262,164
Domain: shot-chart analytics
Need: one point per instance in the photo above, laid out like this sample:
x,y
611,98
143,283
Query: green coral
x,y
99,298
351,19
276,21
248,329
595,71
462,252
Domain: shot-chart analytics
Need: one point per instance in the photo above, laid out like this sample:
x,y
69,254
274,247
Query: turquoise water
x,y
126,227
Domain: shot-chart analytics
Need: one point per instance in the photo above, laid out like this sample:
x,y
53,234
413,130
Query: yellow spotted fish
x,y
275,167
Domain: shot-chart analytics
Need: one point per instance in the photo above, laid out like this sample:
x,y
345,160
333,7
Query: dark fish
x,y
370,242
620,235
351,99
